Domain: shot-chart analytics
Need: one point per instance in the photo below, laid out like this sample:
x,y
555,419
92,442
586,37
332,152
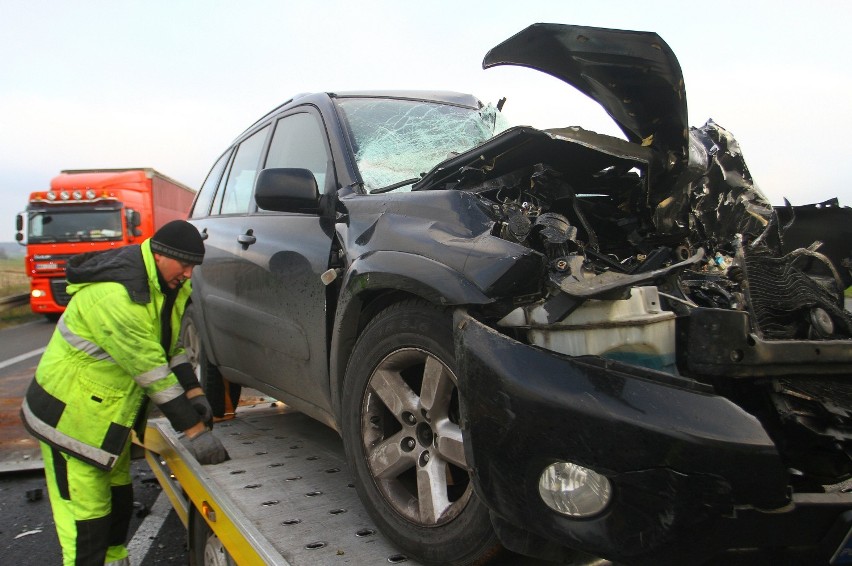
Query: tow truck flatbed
x,y
284,498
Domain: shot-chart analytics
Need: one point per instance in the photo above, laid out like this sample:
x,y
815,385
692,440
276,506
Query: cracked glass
x,y
396,140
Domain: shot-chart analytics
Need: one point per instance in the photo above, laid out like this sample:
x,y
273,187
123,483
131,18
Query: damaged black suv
x,y
552,340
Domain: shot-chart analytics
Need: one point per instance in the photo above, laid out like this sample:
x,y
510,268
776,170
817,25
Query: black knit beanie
x,y
179,240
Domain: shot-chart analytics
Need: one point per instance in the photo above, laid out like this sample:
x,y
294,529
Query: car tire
x,y
211,380
402,438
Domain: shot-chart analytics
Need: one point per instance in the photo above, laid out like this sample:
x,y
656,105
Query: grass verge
x,y
13,281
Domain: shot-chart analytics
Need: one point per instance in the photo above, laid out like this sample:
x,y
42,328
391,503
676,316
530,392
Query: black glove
x,y
206,448
204,410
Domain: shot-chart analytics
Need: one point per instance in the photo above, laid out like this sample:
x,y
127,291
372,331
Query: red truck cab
x,y
92,210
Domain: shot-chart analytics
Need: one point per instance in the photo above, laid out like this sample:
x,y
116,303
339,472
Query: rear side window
x,y
238,189
299,141
201,207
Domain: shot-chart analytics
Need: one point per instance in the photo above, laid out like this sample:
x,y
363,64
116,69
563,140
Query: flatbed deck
x,y
284,498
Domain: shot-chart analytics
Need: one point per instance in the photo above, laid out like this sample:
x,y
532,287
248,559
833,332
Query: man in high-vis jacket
x,y
115,348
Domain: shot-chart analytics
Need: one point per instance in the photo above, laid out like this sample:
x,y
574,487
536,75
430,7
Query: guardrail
x,y
13,301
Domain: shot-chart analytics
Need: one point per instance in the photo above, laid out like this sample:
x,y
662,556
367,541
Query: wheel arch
x,y
379,280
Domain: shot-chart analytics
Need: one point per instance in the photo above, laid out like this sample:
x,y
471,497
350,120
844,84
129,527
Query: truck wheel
x,y
205,547
212,382
403,441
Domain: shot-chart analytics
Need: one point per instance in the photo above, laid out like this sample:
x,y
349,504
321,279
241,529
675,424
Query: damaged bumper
x,y
691,472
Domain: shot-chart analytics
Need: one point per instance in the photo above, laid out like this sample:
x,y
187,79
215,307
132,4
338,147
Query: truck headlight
x,y
38,293
573,490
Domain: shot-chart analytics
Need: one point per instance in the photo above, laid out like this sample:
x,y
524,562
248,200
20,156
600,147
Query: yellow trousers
x,y
91,508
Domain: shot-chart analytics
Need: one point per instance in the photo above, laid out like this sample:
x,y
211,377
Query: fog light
x,y
38,293
573,490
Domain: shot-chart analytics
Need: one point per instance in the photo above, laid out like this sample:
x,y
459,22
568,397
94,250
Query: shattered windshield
x,y
74,226
397,141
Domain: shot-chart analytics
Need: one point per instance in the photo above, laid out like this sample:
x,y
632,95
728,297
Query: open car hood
x,y
633,75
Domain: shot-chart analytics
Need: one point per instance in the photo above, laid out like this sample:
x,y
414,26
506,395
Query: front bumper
x,y
692,473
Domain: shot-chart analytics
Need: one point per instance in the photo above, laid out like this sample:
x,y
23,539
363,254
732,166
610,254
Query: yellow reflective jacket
x,y
106,356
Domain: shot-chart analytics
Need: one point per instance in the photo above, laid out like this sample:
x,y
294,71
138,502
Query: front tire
x,y
222,395
403,441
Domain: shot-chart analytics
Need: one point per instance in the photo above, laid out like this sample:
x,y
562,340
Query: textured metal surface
x,y
287,475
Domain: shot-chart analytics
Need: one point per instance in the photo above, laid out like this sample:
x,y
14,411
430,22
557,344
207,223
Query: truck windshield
x,y
396,141
74,225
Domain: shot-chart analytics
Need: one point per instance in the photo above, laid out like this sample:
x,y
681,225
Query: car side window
x,y
299,141
240,184
220,188
201,207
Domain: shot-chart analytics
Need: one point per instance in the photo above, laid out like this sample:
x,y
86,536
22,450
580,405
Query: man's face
x,y
174,272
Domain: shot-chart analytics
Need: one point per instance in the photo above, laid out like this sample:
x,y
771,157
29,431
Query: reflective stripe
x,y
167,395
179,359
82,344
122,562
152,376
50,434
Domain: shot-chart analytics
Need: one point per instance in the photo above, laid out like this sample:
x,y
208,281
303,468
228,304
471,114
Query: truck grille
x,y
57,287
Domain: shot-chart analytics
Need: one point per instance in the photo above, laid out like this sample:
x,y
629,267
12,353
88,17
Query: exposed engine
x,y
694,276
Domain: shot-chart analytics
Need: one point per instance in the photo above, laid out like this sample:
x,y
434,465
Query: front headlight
x,y
573,490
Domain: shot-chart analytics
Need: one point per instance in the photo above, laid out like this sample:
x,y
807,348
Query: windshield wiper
x,y
395,186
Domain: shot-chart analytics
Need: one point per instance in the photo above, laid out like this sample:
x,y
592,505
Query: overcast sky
x,y
169,84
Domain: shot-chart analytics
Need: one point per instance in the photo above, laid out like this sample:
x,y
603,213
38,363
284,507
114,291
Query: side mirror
x,y
134,220
287,190
19,229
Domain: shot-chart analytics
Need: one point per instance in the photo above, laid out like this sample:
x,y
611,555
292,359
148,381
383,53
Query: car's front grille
x,y
57,287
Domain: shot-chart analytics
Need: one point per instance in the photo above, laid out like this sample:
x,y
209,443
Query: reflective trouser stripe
x,y
92,522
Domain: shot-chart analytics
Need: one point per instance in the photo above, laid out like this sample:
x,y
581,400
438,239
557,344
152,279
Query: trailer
x,y
89,210
284,498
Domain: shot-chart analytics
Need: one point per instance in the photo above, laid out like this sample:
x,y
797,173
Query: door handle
x,y
247,239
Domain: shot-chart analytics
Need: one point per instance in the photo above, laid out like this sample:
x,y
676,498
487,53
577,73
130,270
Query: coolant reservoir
x,y
634,330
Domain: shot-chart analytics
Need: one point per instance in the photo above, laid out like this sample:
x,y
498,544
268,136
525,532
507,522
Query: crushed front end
x,y
687,367
703,370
